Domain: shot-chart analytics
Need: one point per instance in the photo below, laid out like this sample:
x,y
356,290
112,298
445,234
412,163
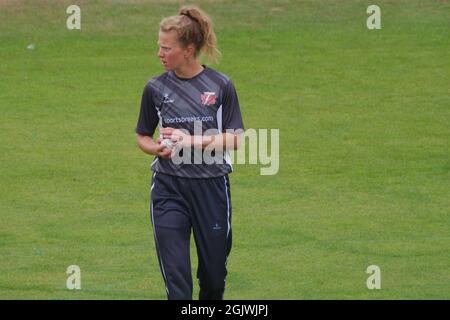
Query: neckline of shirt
x,y
187,79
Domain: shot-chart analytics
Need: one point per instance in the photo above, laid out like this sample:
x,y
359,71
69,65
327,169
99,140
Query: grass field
x,y
364,173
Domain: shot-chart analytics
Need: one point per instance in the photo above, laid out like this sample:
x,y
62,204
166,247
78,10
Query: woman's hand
x,y
162,150
177,136
224,141
155,148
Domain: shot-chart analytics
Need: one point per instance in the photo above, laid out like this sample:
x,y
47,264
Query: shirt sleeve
x,y
231,111
148,116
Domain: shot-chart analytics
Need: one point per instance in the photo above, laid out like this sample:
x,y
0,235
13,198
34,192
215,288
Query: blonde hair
x,y
193,26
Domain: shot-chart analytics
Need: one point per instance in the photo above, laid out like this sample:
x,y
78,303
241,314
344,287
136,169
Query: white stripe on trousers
x,y
228,206
228,220
156,239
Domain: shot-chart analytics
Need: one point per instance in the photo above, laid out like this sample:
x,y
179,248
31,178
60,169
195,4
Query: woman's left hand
x,y
176,135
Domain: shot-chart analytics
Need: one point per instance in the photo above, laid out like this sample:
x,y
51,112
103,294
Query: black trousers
x,y
179,205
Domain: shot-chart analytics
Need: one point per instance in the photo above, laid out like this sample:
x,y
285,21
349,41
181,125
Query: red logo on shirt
x,y
209,98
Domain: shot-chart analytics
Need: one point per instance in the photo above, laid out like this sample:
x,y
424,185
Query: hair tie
x,y
187,14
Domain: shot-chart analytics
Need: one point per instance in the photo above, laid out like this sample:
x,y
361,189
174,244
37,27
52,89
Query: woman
x,y
192,192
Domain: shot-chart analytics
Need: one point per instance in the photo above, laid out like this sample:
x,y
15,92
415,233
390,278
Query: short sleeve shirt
x,y
206,104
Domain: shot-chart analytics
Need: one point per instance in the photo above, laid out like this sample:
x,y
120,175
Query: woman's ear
x,y
190,51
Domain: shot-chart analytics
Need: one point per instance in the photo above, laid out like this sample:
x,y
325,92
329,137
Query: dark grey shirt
x,y
207,103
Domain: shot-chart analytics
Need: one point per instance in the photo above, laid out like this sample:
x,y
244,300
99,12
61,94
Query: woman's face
x,y
171,54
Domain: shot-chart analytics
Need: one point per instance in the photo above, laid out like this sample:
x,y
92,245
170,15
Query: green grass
x,y
364,149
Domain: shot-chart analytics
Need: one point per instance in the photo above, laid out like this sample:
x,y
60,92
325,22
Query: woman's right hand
x,y
162,150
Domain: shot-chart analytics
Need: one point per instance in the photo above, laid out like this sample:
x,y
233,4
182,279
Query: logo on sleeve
x,y
209,98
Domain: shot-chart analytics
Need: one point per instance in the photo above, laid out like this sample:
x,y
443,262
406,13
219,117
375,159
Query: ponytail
x,y
194,26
